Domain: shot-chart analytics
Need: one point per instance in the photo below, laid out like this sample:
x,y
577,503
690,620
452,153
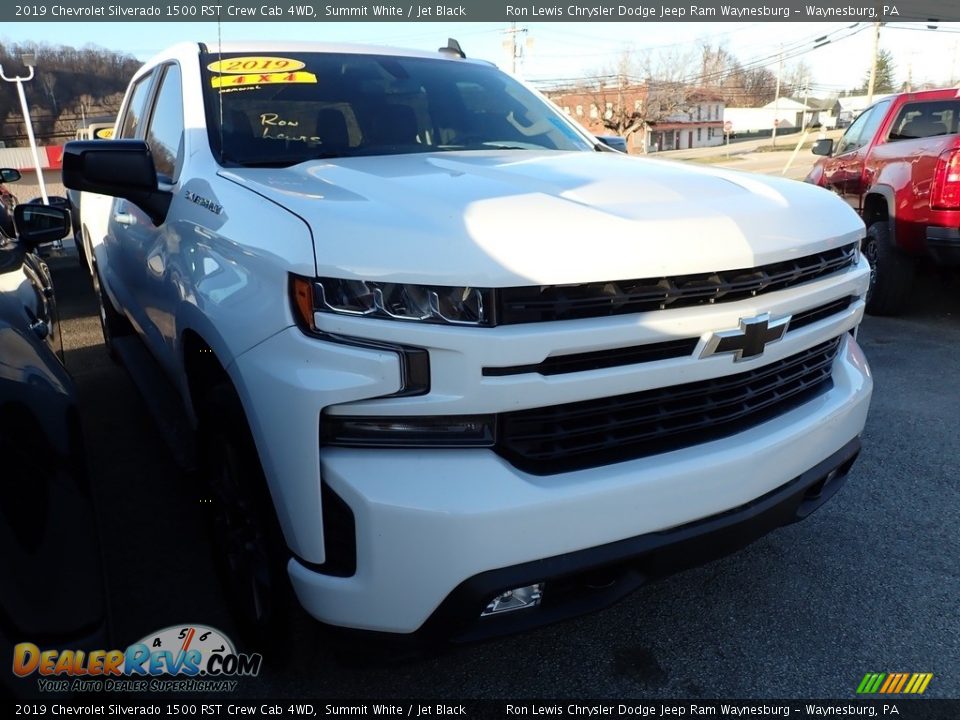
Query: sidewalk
x,y
786,142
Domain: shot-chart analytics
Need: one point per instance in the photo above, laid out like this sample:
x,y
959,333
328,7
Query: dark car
x,y
614,141
7,200
51,579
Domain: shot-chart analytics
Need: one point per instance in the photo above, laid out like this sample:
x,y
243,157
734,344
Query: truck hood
x,y
506,218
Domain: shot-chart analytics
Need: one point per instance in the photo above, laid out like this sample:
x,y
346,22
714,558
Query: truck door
x,y
146,248
844,172
112,257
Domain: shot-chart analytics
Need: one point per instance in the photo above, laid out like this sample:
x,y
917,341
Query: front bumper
x,y
591,579
440,532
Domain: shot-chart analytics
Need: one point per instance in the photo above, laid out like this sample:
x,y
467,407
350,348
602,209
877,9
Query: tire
x,y
112,323
891,272
250,551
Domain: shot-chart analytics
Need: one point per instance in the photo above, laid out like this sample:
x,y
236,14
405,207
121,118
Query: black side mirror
x,y
39,224
823,147
121,168
9,175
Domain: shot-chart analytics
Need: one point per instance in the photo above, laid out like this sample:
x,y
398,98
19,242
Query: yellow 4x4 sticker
x,y
257,70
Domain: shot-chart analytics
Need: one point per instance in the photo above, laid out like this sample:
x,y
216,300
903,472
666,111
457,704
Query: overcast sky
x,y
565,50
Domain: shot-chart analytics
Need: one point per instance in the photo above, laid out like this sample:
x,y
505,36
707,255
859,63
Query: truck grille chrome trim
x,y
542,303
591,433
650,352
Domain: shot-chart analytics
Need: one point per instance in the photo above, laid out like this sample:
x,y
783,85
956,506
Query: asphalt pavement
x,y
869,583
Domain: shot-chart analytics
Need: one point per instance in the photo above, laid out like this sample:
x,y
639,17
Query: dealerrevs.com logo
x,y
181,658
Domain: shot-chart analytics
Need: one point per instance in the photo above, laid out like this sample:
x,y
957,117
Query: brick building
x,y
672,119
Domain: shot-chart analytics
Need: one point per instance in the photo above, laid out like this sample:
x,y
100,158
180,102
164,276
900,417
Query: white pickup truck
x,y
454,369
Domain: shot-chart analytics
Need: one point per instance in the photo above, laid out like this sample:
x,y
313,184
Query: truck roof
x,y
258,46
935,94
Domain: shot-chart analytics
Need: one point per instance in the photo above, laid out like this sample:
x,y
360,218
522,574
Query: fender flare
x,y
888,194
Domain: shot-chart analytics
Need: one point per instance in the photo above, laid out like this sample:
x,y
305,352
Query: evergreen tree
x,y
884,80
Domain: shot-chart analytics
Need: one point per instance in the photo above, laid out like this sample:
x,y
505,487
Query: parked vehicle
x,y
614,141
51,579
8,201
453,371
898,165
95,131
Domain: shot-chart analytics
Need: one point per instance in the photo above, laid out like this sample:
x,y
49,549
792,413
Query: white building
x,y
788,114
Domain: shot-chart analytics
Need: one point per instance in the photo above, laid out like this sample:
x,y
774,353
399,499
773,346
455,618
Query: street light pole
x,y
28,60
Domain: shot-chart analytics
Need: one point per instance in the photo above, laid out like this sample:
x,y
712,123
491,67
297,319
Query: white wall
x,y
758,119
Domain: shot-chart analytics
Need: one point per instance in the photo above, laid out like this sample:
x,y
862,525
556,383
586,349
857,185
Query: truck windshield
x,y
267,110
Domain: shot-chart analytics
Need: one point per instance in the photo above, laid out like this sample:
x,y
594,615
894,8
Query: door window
x,y
136,108
165,134
863,128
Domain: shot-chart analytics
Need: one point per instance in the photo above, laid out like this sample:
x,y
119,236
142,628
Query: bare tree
x,y
65,75
639,91
738,85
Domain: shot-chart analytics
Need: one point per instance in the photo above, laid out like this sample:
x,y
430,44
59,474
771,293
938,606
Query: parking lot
x,y
867,584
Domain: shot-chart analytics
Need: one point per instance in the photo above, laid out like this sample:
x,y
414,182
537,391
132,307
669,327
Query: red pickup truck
x,y
898,164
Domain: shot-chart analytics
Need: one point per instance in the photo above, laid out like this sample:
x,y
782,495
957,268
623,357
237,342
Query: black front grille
x,y
821,312
585,434
541,303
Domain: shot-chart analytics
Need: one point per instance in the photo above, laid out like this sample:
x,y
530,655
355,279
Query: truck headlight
x,y
414,361
442,304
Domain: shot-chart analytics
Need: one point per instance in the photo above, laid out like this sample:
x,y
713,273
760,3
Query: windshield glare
x,y
277,111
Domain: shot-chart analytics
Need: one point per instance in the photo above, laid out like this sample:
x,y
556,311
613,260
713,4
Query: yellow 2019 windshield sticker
x,y
255,64
277,78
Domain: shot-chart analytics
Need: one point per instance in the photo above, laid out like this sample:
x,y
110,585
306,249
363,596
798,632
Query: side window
x,y
165,134
874,121
926,119
134,116
850,138
863,128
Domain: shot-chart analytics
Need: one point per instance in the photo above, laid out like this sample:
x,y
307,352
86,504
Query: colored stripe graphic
x,y
892,680
903,681
894,683
870,683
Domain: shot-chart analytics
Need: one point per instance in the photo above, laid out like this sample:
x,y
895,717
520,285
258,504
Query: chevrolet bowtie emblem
x,y
749,340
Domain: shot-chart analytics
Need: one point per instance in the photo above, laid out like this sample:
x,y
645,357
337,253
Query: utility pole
x,y
873,63
953,64
807,116
513,45
776,100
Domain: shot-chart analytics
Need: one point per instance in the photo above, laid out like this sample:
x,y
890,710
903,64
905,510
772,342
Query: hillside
x,y
69,85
